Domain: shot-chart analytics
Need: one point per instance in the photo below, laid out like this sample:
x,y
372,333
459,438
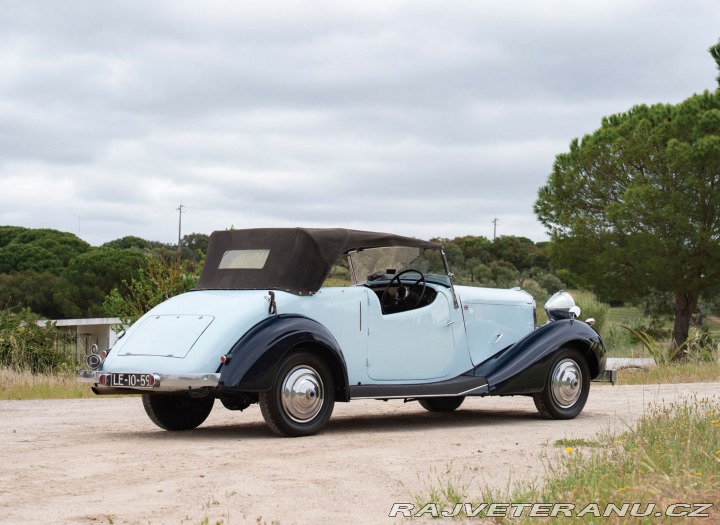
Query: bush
x,y
157,281
26,346
699,347
591,307
549,282
703,348
654,327
532,287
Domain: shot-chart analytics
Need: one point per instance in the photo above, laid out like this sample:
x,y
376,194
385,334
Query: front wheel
x,y
567,386
177,412
441,404
302,396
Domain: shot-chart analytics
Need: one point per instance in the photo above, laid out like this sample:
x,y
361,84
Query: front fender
x,y
252,362
523,367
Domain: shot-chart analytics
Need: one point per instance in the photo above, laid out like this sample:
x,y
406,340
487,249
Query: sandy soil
x,y
102,460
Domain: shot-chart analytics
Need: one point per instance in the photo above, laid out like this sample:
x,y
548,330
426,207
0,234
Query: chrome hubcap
x,y
302,394
566,383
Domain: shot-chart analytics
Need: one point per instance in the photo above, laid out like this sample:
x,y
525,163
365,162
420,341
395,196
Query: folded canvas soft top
x,y
295,260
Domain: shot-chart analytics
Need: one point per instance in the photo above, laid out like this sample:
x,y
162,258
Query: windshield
x,y
374,264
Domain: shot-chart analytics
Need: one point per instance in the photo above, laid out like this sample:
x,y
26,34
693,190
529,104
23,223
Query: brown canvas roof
x,y
299,259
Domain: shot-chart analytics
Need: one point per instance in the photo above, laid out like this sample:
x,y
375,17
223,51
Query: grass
x,y
691,372
671,456
16,384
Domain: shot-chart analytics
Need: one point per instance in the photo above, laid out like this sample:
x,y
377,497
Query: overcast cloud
x,y
424,118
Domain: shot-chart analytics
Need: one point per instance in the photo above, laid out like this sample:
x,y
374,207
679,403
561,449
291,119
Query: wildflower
x,y
568,450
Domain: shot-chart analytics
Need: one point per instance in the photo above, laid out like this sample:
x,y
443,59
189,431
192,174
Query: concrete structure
x,y
86,332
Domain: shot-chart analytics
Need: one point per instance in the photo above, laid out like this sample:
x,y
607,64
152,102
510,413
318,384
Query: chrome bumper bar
x,y
162,381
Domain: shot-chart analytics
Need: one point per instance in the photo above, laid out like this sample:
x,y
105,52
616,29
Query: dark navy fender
x,y
253,360
523,367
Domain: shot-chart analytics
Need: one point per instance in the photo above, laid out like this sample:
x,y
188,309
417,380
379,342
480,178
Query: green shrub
x,y
26,346
702,347
654,327
699,347
549,282
591,307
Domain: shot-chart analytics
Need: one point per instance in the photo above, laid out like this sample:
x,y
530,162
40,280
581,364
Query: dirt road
x,y
103,461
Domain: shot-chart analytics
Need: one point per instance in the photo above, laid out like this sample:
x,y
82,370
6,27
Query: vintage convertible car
x,y
260,328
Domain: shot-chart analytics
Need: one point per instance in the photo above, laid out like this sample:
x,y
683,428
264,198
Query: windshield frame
x,y
398,259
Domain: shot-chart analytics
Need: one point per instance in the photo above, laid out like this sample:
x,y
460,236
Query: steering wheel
x,y
403,292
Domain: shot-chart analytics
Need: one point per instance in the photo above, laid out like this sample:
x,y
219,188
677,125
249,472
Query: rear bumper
x,y
162,383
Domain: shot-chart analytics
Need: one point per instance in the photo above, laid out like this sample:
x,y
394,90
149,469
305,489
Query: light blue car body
x,y
189,333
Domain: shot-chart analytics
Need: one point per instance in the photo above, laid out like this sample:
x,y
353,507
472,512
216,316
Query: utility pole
x,y
495,221
180,210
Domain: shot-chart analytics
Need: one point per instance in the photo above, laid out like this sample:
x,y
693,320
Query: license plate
x,y
132,380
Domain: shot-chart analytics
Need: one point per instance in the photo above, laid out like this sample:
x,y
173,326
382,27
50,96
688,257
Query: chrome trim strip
x,y
482,389
412,397
485,388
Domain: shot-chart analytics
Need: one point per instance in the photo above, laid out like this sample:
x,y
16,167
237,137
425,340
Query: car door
x,y
411,346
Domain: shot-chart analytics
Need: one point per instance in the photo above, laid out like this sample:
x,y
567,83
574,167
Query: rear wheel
x,y
302,398
177,412
441,404
567,386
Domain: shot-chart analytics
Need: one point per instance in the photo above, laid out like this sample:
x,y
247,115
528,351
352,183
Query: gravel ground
x,y
102,460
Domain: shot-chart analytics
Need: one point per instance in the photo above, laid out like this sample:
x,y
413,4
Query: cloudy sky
x,y
425,118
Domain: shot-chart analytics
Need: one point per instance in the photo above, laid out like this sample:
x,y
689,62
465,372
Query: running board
x,y
459,386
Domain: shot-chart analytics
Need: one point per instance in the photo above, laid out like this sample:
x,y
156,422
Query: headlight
x,y
561,306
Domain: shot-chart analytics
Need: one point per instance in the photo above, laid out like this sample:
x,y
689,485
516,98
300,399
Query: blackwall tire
x,y
302,396
177,411
567,386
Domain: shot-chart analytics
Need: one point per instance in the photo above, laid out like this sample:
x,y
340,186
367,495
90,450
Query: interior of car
x,y
401,292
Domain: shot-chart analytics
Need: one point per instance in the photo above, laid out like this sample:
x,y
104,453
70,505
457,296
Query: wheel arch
x,y
252,363
522,368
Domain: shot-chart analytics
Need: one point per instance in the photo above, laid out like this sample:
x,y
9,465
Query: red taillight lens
x,y
102,379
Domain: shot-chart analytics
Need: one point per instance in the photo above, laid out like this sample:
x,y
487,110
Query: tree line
x,y
57,275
